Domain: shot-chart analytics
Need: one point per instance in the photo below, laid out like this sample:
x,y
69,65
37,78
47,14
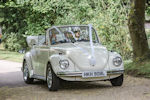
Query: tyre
x,y
52,79
118,81
26,77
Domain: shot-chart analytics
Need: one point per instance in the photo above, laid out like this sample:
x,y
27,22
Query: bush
x,y
14,43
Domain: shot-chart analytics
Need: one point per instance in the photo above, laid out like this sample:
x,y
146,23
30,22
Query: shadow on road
x,y
74,85
11,79
83,85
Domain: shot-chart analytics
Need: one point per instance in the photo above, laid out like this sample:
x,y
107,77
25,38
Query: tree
x,y
137,30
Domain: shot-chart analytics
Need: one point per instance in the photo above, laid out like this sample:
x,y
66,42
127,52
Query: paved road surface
x,y
10,74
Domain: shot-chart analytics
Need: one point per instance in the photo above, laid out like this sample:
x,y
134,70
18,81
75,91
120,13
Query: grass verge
x,y
140,69
11,56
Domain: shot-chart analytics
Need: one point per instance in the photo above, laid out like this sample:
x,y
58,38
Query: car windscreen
x,y
77,33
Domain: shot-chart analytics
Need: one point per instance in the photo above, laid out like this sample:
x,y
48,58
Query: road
x,y
10,74
12,87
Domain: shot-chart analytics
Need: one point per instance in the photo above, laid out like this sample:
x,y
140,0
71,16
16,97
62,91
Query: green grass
x,y
140,69
11,56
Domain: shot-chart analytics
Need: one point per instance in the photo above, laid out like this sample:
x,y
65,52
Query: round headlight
x,y
64,64
117,61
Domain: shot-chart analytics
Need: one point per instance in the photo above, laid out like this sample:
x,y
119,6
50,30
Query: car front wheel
x,y
52,79
26,77
118,81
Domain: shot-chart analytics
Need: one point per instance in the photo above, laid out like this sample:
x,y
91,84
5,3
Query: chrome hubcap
x,y
49,78
25,72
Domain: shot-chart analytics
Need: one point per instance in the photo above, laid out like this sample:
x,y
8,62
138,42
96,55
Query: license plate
x,y
94,74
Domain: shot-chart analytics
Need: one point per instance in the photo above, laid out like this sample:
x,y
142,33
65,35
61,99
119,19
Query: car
x,y
70,53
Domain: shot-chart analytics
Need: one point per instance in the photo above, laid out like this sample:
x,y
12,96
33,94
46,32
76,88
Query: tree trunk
x,y
136,26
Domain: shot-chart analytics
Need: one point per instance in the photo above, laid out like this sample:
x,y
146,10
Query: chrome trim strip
x,y
71,74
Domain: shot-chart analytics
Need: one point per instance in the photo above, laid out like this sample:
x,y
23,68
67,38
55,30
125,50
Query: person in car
x,y
67,36
77,33
53,38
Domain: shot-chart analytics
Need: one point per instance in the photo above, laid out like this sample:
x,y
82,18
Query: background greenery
x,y
33,17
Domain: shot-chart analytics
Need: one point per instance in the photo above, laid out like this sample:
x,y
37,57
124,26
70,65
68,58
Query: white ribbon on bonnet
x,y
92,58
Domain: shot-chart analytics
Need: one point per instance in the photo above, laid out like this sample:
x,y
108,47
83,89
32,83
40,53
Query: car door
x,y
42,59
42,55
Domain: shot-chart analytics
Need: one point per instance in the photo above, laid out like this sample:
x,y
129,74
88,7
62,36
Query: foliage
x,y
112,27
31,17
138,69
14,42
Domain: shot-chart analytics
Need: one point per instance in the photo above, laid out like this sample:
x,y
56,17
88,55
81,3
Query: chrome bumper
x,y
79,74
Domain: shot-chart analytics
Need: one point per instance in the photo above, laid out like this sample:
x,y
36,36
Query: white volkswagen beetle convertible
x,y
71,53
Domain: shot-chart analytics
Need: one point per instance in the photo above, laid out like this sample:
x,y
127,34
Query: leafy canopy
x,y
33,17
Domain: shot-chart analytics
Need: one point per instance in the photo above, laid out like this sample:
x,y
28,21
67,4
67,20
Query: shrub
x,y
14,43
